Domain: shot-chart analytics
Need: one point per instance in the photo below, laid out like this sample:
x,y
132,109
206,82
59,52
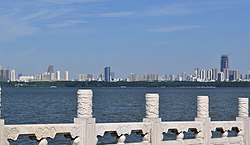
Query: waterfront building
x,y
209,74
234,75
52,76
6,75
100,77
50,69
197,73
107,75
184,76
226,74
19,75
134,77
26,78
46,76
214,74
1,74
66,75
85,77
12,75
171,77
58,75
112,76
202,75
150,77
224,63
221,76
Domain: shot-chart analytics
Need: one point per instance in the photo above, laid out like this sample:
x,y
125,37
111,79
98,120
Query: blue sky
x,y
131,36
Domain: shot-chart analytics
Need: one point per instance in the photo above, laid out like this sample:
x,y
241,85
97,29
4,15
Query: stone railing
x,y
152,131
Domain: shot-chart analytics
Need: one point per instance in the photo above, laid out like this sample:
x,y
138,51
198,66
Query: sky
x,y
131,36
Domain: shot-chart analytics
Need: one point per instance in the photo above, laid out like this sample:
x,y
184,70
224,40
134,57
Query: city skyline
x,y
131,36
224,73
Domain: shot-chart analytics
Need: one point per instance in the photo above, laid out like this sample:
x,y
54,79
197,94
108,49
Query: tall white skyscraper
x,y
66,75
58,75
12,75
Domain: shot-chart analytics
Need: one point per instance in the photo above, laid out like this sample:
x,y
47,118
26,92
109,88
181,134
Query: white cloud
x,y
66,24
175,28
116,14
69,1
169,10
11,29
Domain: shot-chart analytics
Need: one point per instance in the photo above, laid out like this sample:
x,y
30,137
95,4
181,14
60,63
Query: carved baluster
x,y
43,142
121,139
198,135
76,141
180,136
225,134
84,103
146,138
240,133
243,107
152,105
202,107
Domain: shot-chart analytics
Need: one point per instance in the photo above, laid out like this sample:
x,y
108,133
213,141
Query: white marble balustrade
x,y
85,130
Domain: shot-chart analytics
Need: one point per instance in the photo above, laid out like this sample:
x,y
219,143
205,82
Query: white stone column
x,y
84,118
203,116
202,107
243,110
3,140
152,116
84,103
152,105
243,107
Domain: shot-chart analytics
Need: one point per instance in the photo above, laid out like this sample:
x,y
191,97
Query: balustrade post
x,y
203,116
3,140
43,142
152,116
84,118
243,115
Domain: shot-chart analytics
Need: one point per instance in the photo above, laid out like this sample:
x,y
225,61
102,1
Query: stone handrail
x,y
152,131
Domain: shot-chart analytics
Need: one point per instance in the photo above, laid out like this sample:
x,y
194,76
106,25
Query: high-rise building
x,y
50,69
107,75
215,74
6,75
221,77
226,74
58,75
66,75
224,62
12,75
100,77
209,74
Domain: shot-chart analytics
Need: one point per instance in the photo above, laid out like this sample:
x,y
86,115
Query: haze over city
x,y
162,37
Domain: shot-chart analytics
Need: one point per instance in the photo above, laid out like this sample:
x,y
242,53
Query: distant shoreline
x,y
168,84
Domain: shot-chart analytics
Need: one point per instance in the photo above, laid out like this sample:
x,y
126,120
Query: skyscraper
x,y
12,75
66,75
58,75
51,69
224,62
51,72
107,75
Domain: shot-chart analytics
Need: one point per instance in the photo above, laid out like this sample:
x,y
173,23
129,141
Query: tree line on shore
x,y
123,84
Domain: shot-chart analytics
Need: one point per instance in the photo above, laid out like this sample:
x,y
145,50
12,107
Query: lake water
x,y
58,105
